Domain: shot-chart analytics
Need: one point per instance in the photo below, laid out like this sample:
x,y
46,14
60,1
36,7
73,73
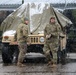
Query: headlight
x,y
6,37
41,39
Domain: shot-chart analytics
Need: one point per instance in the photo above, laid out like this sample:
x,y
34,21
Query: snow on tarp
x,y
38,15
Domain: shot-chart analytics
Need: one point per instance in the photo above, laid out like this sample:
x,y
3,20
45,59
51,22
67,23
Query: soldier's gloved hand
x,y
48,36
61,35
28,43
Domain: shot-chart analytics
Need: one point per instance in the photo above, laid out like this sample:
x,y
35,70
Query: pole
x,y
22,1
65,5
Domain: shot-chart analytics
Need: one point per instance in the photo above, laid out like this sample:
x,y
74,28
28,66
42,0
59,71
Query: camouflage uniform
x,y
51,43
21,37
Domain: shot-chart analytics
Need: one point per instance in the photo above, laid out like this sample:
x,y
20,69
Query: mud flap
x,y
61,56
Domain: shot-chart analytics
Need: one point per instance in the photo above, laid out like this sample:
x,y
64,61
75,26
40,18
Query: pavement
x,y
71,55
41,68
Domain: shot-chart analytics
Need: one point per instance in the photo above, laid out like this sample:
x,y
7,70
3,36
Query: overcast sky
x,y
51,1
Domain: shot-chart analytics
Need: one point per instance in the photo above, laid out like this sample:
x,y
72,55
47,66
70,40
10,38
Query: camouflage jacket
x,y
21,33
52,29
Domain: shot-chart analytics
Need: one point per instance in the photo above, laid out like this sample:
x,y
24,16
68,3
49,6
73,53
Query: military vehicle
x,y
39,15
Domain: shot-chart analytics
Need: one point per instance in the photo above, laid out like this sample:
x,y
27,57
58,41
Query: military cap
x,y
26,19
52,17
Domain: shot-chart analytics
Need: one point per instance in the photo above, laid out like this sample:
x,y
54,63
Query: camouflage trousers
x,y
50,50
22,51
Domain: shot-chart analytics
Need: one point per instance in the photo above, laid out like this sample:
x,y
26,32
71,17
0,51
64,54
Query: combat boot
x,y
53,65
20,64
49,63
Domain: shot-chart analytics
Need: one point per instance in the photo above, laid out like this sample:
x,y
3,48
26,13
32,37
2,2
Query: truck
x,y
39,15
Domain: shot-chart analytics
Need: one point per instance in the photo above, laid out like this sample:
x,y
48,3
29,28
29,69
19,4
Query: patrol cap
x,y
52,17
26,19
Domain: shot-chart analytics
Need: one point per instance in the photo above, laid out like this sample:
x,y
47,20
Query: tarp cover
x,y
38,15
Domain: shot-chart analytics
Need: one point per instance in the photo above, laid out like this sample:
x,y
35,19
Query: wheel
x,y
14,52
6,57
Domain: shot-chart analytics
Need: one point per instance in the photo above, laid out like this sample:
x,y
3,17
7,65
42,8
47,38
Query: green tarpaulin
x,y
38,14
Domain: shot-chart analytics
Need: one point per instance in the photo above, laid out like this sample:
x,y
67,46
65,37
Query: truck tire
x,y
6,57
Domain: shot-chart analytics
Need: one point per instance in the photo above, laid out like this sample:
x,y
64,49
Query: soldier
x,y
51,34
21,37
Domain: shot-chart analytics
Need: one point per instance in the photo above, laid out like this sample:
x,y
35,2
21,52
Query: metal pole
x,y
22,1
65,5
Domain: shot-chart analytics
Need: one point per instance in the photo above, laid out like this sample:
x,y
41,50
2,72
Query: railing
x,y
56,5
